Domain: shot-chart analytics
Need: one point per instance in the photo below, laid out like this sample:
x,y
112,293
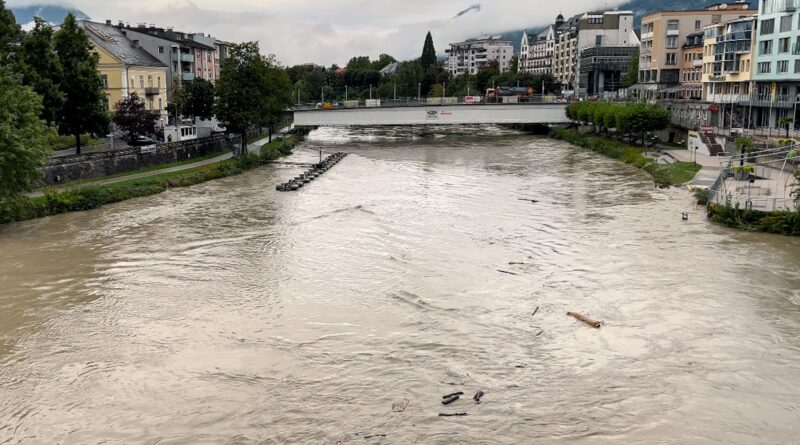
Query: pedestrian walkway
x,y
255,147
707,175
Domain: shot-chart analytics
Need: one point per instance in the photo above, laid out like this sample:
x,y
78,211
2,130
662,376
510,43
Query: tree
x,y
41,70
514,64
252,91
409,76
786,121
133,118
632,76
428,53
9,32
24,138
84,108
383,61
359,63
200,99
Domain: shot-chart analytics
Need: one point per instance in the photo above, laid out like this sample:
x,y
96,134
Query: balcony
x,y
151,91
187,77
182,57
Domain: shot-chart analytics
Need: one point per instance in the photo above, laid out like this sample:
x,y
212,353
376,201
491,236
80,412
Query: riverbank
x,y
664,175
92,196
778,223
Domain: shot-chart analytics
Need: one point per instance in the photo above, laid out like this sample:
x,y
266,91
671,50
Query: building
x,y
777,62
565,60
605,43
470,56
536,54
728,65
691,80
223,50
390,69
662,36
126,68
185,57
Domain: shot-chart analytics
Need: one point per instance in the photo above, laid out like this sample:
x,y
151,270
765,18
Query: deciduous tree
x,y
9,32
41,70
253,91
24,138
200,99
84,108
133,118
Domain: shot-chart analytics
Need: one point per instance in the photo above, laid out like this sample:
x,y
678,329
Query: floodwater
x,y
229,313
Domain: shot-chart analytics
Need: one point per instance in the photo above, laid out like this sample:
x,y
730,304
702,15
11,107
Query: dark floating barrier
x,y
315,172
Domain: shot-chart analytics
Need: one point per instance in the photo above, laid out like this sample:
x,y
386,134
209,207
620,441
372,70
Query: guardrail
x,y
429,101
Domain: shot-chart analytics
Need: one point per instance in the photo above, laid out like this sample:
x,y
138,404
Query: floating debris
x,y
507,272
451,399
535,311
593,323
477,396
459,393
452,414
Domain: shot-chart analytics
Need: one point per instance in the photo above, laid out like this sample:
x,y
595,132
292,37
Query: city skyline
x,y
351,28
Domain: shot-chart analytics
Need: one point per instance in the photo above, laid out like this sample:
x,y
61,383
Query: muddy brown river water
x,y
229,313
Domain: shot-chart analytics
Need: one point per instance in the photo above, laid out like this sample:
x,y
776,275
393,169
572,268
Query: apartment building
x,y
565,60
605,43
728,61
470,56
662,34
691,80
126,68
777,62
536,53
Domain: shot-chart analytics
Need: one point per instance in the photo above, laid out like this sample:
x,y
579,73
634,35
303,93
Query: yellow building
x,y
728,61
126,68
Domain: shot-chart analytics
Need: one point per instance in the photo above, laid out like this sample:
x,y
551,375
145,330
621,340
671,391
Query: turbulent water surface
x,y
231,313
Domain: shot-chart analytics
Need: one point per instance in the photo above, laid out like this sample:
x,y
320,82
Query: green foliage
x,y
743,144
41,69
9,32
780,223
627,118
701,195
632,76
199,101
664,175
360,63
133,118
514,69
253,91
63,142
22,208
84,109
428,58
24,138
383,61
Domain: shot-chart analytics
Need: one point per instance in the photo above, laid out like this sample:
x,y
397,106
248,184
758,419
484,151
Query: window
x,y
673,25
783,45
151,104
672,42
141,81
765,47
786,23
783,66
671,59
697,25
598,40
105,80
767,27
150,81
132,83
161,50
764,67
159,103
797,66
159,82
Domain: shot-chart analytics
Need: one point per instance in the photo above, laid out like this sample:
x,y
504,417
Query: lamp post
x,y
345,93
370,92
419,93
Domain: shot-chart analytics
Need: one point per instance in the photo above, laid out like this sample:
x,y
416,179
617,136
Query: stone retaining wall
x,y
94,165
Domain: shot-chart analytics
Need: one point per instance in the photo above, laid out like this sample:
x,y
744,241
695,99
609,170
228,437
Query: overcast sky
x,y
332,31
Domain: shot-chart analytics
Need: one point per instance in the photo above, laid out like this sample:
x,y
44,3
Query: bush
x,y
701,195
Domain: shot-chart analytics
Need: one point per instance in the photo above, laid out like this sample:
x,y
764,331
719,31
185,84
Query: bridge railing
x,y
428,101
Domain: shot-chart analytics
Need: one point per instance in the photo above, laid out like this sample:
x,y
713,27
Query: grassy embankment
x,y
780,223
664,175
62,142
92,197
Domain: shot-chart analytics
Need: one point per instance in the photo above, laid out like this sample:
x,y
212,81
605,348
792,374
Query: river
x,y
229,313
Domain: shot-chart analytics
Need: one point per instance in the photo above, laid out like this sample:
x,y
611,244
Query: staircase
x,y
714,147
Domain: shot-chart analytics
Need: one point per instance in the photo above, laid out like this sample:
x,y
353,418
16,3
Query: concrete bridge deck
x,y
432,113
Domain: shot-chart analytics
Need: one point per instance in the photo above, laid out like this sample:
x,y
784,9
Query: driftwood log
x,y
593,323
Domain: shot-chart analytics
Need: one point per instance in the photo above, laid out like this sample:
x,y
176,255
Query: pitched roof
x,y
115,43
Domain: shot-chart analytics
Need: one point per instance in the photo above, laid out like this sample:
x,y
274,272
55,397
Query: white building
x,y
472,55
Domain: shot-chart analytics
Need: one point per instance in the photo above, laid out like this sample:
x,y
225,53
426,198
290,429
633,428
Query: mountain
x,y
52,13
640,9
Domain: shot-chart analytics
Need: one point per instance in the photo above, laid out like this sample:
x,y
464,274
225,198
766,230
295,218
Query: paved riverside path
x,y
711,166
250,148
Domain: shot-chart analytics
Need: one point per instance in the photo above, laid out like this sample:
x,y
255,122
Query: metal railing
x,y
429,101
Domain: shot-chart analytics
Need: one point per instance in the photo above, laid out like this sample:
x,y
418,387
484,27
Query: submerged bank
x,y
91,197
664,175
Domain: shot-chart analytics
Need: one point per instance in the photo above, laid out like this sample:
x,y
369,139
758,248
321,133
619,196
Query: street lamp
x,y
419,92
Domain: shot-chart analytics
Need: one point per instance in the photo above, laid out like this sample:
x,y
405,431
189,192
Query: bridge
x,y
433,111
